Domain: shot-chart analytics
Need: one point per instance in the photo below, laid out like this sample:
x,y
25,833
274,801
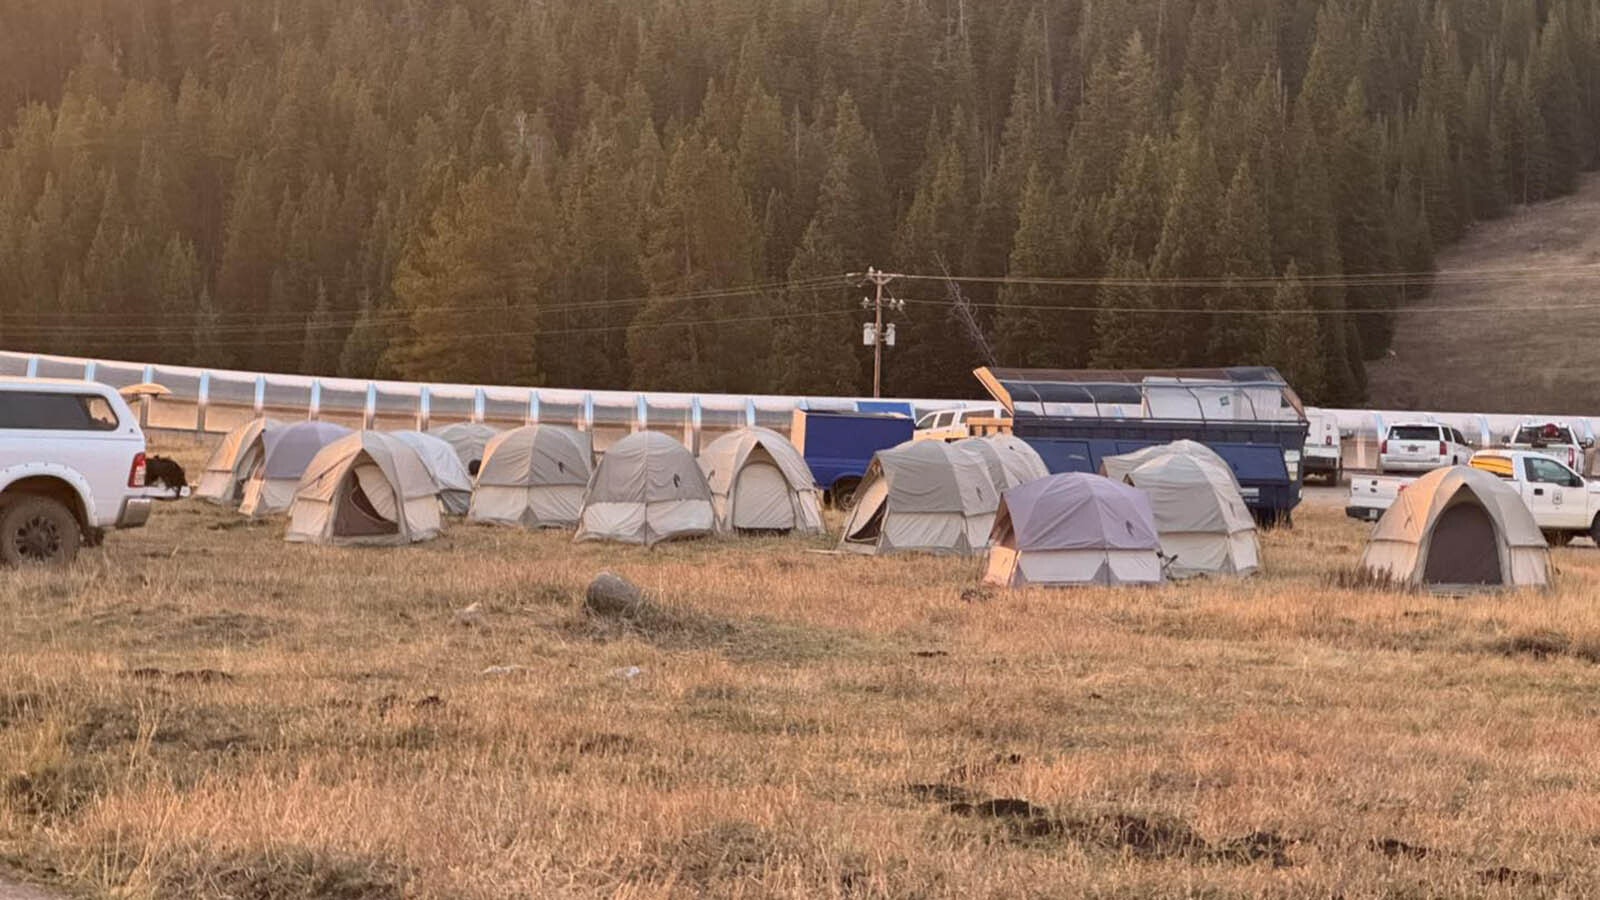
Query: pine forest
x,y
668,194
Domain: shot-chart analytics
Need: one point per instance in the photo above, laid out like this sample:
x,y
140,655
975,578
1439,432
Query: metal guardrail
x,y
217,400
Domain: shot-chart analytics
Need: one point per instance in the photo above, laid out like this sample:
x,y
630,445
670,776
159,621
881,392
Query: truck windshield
x,y
1414,433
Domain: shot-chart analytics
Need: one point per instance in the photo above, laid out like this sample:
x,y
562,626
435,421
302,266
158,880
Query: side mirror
x,y
1587,443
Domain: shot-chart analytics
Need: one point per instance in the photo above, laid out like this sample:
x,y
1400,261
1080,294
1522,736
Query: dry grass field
x,y
199,710
1537,358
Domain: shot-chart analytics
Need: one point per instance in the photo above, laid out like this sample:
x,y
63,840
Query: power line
x,y
540,333
1376,279
1259,311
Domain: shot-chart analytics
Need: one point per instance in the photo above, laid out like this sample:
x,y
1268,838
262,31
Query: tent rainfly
x,y
1009,460
647,489
533,477
1459,527
760,482
922,496
1205,527
1117,468
455,485
468,439
230,464
285,453
1073,529
366,488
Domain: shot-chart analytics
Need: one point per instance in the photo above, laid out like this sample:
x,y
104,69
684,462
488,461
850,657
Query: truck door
x,y
1555,494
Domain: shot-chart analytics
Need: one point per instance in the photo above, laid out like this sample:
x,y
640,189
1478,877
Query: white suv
x,y
1421,447
72,464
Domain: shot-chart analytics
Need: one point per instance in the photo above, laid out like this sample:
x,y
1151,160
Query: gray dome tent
x,y
1074,529
760,482
1205,527
647,489
449,473
533,477
285,454
922,496
468,439
365,488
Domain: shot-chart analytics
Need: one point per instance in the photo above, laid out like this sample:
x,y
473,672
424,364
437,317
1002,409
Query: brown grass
x,y
205,711
1533,360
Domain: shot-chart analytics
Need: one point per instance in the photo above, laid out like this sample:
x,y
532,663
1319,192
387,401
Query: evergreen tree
x,y
1244,249
1292,337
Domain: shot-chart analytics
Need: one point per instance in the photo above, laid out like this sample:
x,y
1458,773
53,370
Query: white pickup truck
x,y
72,464
1564,504
1556,440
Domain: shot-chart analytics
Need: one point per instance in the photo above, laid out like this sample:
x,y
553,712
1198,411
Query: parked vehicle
x,y
1556,440
1324,453
72,465
1249,416
838,446
950,425
1564,503
1421,447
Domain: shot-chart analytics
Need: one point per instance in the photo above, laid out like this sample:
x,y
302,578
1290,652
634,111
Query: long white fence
x,y
215,400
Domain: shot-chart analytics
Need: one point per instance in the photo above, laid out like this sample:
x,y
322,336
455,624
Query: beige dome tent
x,y
285,453
647,489
455,485
922,496
1074,529
1117,468
230,464
1458,527
760,482
1205,527
533,477
469,440
365,488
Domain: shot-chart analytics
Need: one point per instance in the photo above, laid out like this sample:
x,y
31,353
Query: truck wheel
x,y
38,531
1558,538
843,495
1594,531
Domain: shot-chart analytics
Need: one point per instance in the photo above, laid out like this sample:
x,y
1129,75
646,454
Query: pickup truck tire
x,y
843,494
38,531
1594,530
1559,538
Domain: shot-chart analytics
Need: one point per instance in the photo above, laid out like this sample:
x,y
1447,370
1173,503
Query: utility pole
x,y
878,332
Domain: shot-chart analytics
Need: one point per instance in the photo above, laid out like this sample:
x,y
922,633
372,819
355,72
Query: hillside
x,y
1537,358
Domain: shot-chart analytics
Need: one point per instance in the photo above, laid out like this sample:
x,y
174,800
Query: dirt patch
x,y
203,676
51,791
1142,836
290,874
208,729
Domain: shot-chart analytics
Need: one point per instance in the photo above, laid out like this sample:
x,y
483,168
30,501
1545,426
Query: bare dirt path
x,y
1541,358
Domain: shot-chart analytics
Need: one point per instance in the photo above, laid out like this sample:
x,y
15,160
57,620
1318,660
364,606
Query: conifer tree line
x,y
664,194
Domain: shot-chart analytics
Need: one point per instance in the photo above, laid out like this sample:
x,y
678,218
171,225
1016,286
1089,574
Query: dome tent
x,y
1074,529
647,489
1204,526
455,485
1118,467
366,488
285,454
1010,460
533,477
760,482
230,464
1458,527
922,496
468,440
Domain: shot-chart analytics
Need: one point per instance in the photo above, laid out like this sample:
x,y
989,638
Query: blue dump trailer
x,y
838,446
1248,415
